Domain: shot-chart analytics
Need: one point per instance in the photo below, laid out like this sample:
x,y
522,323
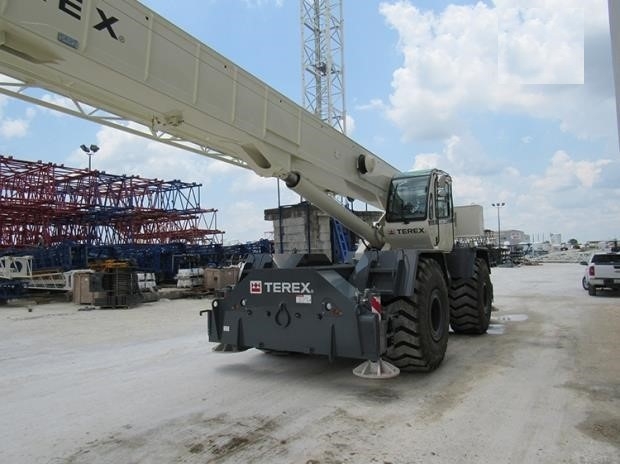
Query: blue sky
x,y
514,98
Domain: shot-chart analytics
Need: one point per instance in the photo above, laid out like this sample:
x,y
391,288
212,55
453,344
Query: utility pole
x,y
90,151
498,206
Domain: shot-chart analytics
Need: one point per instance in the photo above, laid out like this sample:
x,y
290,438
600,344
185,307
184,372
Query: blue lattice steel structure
x,y
10,289
164,260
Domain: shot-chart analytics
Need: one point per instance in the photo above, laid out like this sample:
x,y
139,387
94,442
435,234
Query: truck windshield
x,y
606,259
407,199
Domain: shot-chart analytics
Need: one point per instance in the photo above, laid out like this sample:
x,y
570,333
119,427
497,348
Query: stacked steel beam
x,y
45,204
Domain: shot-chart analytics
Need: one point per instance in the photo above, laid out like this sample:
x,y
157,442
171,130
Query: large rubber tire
x,y
591,290
418,328
584,283
471,301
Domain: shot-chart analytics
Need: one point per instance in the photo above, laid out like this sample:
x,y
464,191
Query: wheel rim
x,y
436,317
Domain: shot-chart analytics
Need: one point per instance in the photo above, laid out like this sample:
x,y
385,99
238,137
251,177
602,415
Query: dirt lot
x,y
142,386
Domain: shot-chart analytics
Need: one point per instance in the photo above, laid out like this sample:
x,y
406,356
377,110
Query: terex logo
x,y
413,230
74,9
257,287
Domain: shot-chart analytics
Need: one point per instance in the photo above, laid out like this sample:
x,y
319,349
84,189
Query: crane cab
x,y
420,211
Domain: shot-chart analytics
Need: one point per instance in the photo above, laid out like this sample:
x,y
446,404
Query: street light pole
x,y
90,151
498,206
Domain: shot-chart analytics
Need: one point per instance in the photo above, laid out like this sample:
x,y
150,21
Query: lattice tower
x,y
323,60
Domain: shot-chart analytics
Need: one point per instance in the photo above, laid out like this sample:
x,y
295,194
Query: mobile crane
x,y
117,61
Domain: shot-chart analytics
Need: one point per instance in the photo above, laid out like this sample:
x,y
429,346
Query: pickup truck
x,y
602,271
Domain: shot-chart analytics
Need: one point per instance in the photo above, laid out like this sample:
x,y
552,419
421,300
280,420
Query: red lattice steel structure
x,y
46,204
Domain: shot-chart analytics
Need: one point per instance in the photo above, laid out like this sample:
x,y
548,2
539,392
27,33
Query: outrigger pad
x,y
227,348
376,370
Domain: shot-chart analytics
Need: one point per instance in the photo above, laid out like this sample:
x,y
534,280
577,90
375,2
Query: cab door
x,y
443,213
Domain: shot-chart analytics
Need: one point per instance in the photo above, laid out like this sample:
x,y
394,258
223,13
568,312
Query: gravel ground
x,y
143,386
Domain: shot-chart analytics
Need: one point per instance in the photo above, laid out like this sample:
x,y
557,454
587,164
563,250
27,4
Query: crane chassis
x,y
120,64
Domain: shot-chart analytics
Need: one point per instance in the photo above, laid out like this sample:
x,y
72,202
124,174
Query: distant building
x,y
508,237
468,221
555,239
304,228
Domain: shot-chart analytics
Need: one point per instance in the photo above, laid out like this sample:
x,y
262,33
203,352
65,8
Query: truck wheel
x,y
584,283
418,328
591,290
470,301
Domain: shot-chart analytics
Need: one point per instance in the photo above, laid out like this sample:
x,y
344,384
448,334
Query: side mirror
x,y
584,263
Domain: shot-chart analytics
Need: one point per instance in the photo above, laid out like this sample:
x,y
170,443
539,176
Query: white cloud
x,y
469,188
12,128
541,45
262,3
350,125
125,153
57,101
15,126
569,198
448,61
425,161
511,171
374,104
122,153
560,199
564,173
249,182
461,153
249,217
452,62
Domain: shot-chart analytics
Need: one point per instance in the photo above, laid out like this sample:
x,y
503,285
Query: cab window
x,y
443,205
408,199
